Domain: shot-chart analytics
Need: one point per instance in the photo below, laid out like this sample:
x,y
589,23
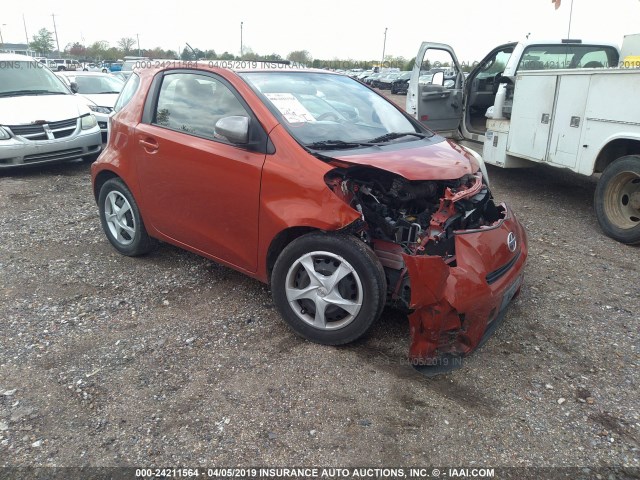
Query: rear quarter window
x,y
127,92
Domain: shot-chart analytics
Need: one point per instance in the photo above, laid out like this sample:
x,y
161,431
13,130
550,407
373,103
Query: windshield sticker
x,y
290,107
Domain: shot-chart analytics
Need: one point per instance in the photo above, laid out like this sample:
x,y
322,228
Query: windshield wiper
x,y
107,92
336,144
393,135
16,93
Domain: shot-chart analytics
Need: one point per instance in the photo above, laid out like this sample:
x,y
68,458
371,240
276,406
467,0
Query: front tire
x,y
121,220
617,200
329,288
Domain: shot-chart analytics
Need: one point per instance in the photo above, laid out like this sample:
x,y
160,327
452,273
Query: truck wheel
x,y
329,288
617,200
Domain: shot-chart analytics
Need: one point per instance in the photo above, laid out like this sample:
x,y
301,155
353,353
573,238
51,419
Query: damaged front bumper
x,y
457,305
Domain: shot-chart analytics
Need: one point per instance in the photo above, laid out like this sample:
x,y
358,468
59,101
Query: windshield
x,y
94,84
332,110
29,78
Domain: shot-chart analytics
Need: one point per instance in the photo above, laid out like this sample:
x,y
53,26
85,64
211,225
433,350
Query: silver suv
x,y
41,121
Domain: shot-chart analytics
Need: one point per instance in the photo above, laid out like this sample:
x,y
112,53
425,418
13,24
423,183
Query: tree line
x,y
101,50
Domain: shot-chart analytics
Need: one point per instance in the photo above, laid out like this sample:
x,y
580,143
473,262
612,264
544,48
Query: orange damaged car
x,y
313,183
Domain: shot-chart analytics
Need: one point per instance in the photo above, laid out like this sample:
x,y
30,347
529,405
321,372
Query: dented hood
x,y
444,160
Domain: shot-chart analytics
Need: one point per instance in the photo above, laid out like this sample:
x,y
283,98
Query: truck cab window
x,y
483,86
555,57
438,61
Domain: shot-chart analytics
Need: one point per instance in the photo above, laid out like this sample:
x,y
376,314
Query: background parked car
x,y
372,78
91,67
401,83
362,76
130,63
45,61
101,91
112,66
40,120
384,82
66,64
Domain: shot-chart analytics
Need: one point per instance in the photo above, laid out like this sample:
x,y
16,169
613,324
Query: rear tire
x,y
329,288
617,200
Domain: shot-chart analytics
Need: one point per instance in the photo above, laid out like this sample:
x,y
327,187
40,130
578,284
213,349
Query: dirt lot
x,y
170,359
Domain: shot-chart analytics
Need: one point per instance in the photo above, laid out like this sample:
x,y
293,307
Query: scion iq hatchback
x,y
316,184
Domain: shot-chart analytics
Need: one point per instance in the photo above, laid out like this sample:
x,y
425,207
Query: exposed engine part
x,y
413,217
421,216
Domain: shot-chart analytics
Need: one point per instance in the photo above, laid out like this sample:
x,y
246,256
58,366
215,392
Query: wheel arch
x,y
280,242
616,148
101,178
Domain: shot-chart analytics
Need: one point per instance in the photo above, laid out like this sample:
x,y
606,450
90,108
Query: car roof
x,y
572,43
14,57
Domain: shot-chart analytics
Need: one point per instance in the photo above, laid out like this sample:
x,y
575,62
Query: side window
x,y
127,92
193,103
436,60
496,64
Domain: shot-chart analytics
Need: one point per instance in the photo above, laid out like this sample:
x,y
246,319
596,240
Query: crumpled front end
x,y
453,259
456,306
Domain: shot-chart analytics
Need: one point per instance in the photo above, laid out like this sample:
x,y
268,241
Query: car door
x,y
439,107
199,189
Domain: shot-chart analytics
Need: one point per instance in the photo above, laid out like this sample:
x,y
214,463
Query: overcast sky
x,y
328,29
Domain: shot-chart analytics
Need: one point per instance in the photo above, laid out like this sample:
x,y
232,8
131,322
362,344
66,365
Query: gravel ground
x,y
171,359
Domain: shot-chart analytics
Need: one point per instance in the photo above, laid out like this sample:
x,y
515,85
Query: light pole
x,y
1,39
241,46
26,35
56,32
384,46
138,37
570,15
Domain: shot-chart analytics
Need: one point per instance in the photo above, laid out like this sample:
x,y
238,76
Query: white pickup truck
x,y
563,103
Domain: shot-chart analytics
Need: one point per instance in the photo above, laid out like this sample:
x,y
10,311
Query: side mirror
x,y
74,87
438,78
234,128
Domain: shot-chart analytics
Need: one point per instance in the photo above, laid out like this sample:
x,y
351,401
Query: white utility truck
x,y
565,103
